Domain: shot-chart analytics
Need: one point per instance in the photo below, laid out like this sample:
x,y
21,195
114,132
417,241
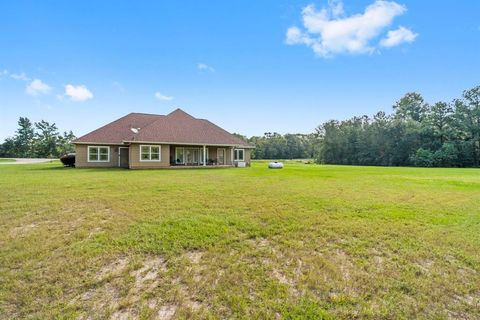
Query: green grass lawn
x,y
305,242
7,160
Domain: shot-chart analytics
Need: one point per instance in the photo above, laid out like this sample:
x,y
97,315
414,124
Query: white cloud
x,y
329,32
38,87
205,67
20,76
398,36
162,97
78,93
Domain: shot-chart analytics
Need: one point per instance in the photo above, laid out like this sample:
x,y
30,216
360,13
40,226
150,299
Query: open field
x,y
307,241
7,160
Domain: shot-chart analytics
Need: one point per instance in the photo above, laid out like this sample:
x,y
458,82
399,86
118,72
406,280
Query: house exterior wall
x,y
81,157
229,155
167,155
247,157
134,158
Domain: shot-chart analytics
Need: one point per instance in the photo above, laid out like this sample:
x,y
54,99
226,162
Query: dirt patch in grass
x,y
195,269
426,265
129,285
148,276
114,268
22,231
166,312
119,286
194,256
471,299
342,261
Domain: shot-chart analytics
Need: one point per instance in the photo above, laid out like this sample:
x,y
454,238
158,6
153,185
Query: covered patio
x,y
196,156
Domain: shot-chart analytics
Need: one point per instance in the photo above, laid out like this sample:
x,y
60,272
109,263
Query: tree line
x,y
416,133
443,134
288,146
37,140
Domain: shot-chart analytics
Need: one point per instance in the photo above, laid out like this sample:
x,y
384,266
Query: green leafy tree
x,y
46,139
64,143
288,146
23,139
472,108
411,107
439,121
8,149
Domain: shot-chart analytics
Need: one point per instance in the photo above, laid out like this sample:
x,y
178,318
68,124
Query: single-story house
x,y
140,140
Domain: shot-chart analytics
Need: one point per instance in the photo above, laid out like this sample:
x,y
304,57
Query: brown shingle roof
x,y
176,127
119,130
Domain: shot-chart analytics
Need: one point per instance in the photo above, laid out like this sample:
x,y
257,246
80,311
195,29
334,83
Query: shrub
x,y
68,160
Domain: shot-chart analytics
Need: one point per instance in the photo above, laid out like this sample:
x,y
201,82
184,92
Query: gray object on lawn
x,y
275,165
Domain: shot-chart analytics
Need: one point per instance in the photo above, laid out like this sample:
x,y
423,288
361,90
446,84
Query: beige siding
x,y
81,157
247,156
229,155
135,162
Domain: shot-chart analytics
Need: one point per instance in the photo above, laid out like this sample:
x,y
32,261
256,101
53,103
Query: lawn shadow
x,y
59,166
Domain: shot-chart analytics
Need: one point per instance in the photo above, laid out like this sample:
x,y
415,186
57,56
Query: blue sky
x,y
249,66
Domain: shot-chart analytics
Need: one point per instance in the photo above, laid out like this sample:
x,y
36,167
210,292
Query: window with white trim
x,y
239,155
149,153
98,154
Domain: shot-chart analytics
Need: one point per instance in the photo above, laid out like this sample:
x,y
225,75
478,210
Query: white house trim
x,y
204,155
98,153
150,152
96,143
235,154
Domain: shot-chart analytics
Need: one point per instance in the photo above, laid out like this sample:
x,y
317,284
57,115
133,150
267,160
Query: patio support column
x,y
204,156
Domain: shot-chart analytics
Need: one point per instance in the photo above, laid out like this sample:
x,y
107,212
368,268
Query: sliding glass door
x,y
189,156
221,156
